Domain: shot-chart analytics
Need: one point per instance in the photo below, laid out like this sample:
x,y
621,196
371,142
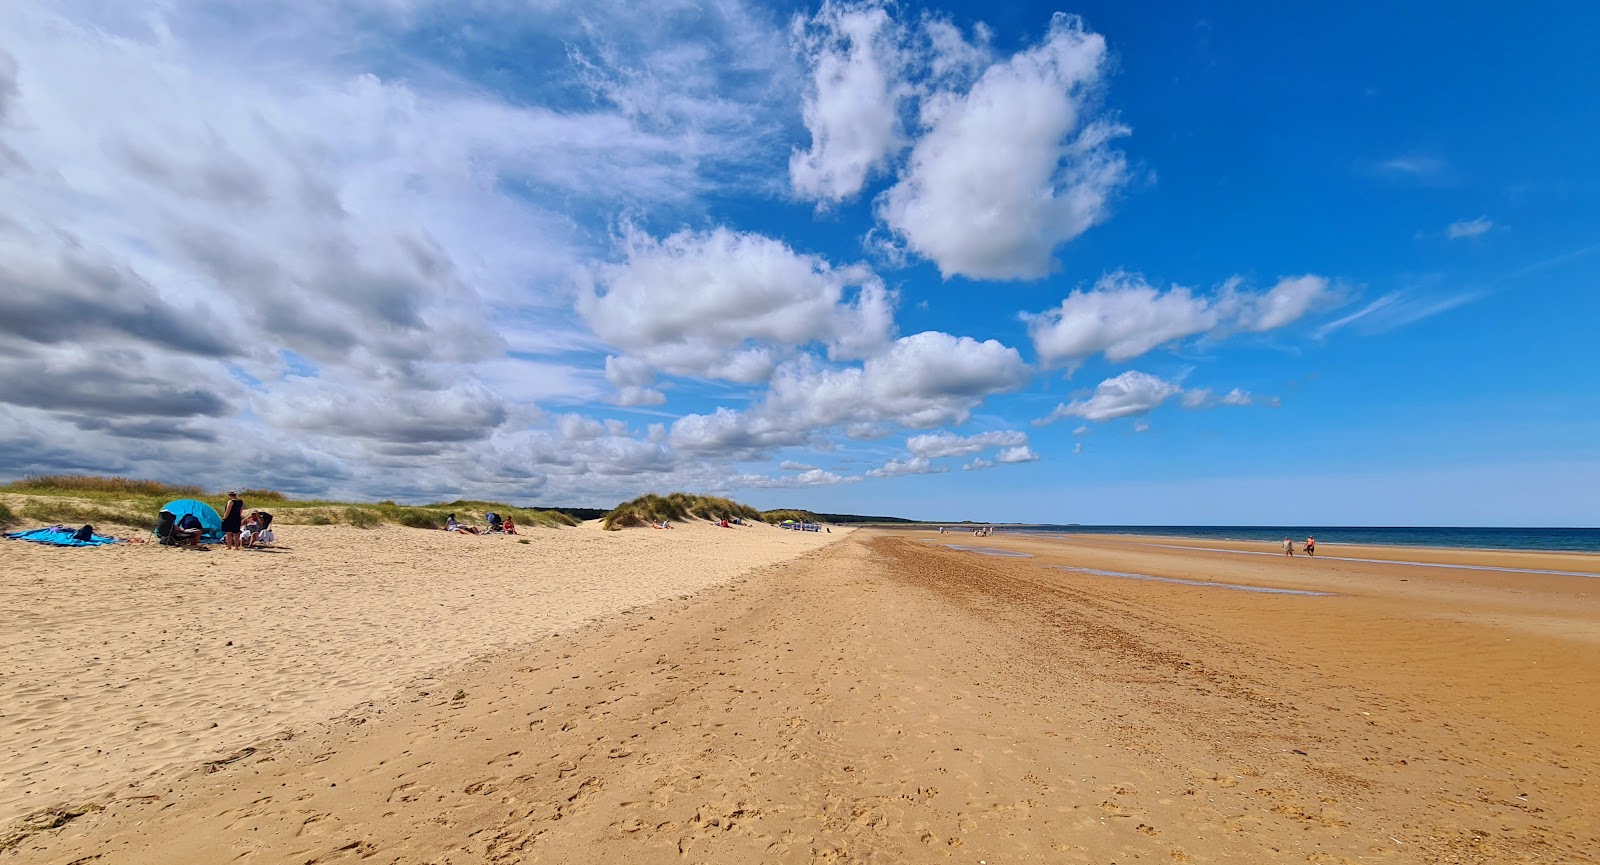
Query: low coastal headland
x,y
747,694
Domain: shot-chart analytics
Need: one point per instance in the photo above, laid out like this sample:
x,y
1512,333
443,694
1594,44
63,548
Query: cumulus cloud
x,y
924,380
913,466
1127,395
1123,317
921,381
947,444
852,102
792,466
728,305
978,464
1019,454
1469,228
1012,167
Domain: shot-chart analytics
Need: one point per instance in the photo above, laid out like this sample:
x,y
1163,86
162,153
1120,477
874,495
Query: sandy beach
x,y
121,662
879,698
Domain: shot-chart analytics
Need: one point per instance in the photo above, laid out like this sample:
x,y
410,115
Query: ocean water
x,y
1561,540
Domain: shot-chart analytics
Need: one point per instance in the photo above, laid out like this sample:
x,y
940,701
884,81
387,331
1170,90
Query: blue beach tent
x,y
210,520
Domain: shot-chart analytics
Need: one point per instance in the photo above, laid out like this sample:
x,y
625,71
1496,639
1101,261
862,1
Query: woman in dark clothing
x,y
232,519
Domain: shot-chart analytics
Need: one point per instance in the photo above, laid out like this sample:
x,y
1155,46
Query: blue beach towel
x,y
59,538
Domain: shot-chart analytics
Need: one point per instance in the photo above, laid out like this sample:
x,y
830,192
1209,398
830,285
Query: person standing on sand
x,y
232,519
1288,547
1311,546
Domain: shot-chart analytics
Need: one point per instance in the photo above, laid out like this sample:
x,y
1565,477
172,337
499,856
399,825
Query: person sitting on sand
x,y
188,530
1288,547
251,525
450,525
508,526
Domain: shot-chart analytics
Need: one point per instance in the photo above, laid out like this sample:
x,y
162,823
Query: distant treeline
x,y
857,518
579,513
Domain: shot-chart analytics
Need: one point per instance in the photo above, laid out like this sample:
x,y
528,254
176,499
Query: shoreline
x,y
1033,530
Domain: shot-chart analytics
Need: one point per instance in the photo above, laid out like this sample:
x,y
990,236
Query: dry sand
x,y
885,699
117,663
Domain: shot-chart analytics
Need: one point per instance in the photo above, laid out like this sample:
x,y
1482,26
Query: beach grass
x,y
651,508
78,499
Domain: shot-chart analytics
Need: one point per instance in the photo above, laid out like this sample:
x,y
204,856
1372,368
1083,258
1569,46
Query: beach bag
x,y
84,534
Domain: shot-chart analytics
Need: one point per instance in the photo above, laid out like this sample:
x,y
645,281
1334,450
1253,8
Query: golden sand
x,y
885,699
117,663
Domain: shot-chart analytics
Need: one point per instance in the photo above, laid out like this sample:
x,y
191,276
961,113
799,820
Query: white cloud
x,y
978,464
1469,228
810,478
946,444
852,104
1124,317
1127,395
260,237
1200,398
1019,454
924,380
726,304
1012,168
1077,448
913,466
1280,305
792,466
1394,310
632,396
1082,430
1141,427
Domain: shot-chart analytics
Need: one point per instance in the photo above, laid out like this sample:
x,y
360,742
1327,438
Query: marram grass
x,y
103,501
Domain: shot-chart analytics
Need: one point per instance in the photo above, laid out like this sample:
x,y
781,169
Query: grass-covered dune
x,y
102,501
650,508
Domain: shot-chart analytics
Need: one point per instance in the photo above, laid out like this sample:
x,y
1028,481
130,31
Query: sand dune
x,y
883,699
117,663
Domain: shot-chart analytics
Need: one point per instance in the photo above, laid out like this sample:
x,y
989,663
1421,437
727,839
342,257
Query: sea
x,y
1576,540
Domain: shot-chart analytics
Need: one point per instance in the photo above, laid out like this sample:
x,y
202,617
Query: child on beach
x,y
1288,547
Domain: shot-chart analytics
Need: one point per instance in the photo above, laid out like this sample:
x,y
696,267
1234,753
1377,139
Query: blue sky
x,y
1224,263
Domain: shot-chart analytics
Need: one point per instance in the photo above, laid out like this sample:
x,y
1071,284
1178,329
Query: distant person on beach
x,y
450,525
508,526
232,521
1311,546
1288,547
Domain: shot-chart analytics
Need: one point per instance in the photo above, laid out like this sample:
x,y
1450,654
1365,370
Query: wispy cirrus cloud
x,y
1469,228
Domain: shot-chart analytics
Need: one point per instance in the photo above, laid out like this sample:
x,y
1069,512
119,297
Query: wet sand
x,y
886,699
